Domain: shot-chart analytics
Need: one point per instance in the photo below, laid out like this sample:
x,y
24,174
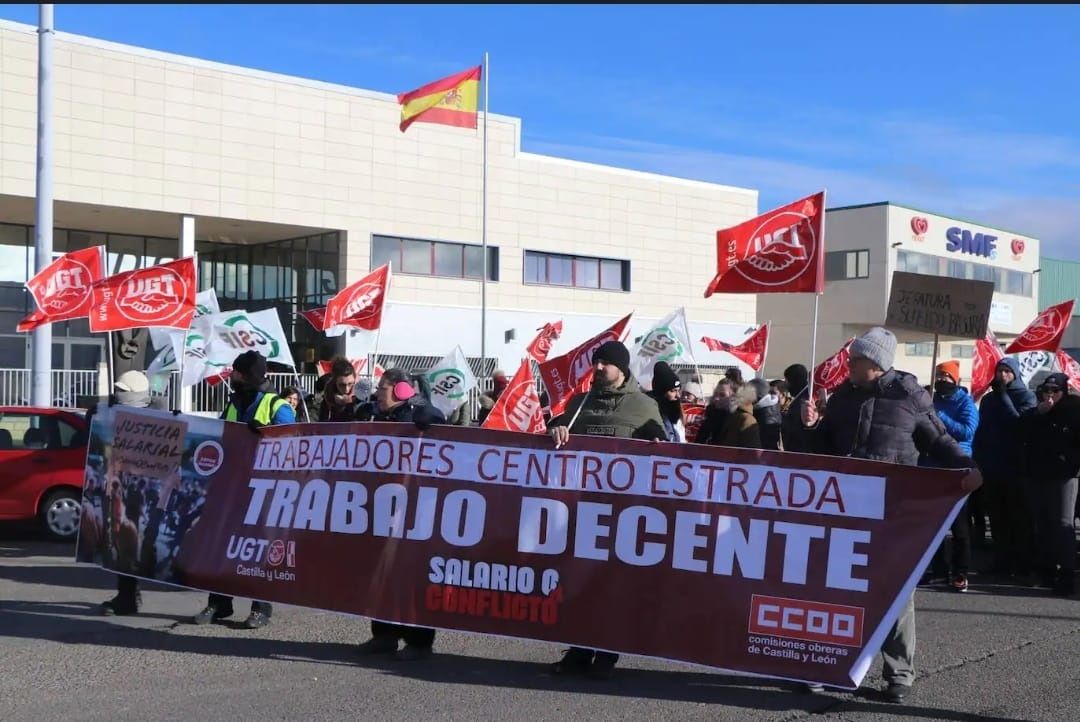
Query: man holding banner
x,y
253,404
614,406
884,415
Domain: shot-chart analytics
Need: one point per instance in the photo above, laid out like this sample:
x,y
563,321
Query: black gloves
x,y
176,412
997,386
426,416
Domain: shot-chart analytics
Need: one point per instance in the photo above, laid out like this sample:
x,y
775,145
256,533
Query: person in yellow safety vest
x,y
252,403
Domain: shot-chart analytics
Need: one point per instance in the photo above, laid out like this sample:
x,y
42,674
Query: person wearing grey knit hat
x,y
877,345
132,388
884,414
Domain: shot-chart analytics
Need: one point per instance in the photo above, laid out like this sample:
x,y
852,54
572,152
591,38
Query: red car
x,y
42,466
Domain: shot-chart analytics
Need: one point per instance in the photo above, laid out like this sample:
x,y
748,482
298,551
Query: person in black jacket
x,y
1051,463
665,392
768,414
793,434
720,407
884,415
396,401
997,451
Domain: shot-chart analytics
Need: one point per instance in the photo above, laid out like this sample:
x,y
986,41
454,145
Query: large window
x,y
963,351
925,348
434,258
846,265
1016,283
556,269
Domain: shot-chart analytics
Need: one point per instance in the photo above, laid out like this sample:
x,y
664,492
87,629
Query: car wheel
x,y
60,515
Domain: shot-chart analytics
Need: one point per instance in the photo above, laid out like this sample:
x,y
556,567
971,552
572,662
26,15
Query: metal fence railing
x,y
73,389
67,387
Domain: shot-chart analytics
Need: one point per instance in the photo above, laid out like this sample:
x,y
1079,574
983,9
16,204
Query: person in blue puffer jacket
x,y
957,411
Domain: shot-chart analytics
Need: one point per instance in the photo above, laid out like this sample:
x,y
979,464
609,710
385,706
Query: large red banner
x,y
782,251
571,373
62,289
779,564
360,304
162,296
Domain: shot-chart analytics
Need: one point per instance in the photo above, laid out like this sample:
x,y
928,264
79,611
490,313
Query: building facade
x,y
288,189
864,245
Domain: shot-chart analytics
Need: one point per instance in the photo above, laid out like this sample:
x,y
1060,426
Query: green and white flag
x,y
213,342
668,340
172,342
451,380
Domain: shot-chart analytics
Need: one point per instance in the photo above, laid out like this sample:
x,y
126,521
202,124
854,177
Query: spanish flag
x,y
450,101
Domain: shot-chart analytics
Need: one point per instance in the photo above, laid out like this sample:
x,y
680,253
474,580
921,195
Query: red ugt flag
x,y
518,406
1045,332
751,351
62,289
782,251
360,304
570,373
540,347
162,296
983,364
833,371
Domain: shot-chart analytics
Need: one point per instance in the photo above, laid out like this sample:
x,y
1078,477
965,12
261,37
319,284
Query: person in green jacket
x,y
614,406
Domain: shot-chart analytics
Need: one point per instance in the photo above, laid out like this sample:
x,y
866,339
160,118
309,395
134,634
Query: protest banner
x,y
951,307
779,564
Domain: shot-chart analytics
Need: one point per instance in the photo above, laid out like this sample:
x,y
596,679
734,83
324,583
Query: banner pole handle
x,y
110,363
579,408
813,348
375,356
933,361
300,388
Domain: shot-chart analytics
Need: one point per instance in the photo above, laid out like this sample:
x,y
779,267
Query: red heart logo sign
x,y
920,225
1017,247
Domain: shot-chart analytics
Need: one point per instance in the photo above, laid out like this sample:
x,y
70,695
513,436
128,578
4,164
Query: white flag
x,y
1032,362
451,380
668,340
213,342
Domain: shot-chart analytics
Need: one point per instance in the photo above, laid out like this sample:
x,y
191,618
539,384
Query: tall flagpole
x,y
483,232
41,337
817,303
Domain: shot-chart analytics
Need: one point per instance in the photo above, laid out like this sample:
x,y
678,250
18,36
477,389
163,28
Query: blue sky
x,y
967,111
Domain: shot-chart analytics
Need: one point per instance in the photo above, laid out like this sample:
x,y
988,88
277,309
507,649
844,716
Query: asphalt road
x,y
998,652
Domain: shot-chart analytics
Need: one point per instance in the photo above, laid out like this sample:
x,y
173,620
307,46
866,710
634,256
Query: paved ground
x,y
998,652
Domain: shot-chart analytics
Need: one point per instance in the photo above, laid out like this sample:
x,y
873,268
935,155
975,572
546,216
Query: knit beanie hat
x,y
877,345
952,368
664,379
132,388
614,353
252,365
1057,380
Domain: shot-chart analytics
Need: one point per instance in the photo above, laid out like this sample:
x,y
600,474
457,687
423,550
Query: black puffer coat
x,y
997,445
1051,441
892,421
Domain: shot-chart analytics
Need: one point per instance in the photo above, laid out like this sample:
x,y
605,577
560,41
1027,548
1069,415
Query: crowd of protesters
x,y
1027,446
